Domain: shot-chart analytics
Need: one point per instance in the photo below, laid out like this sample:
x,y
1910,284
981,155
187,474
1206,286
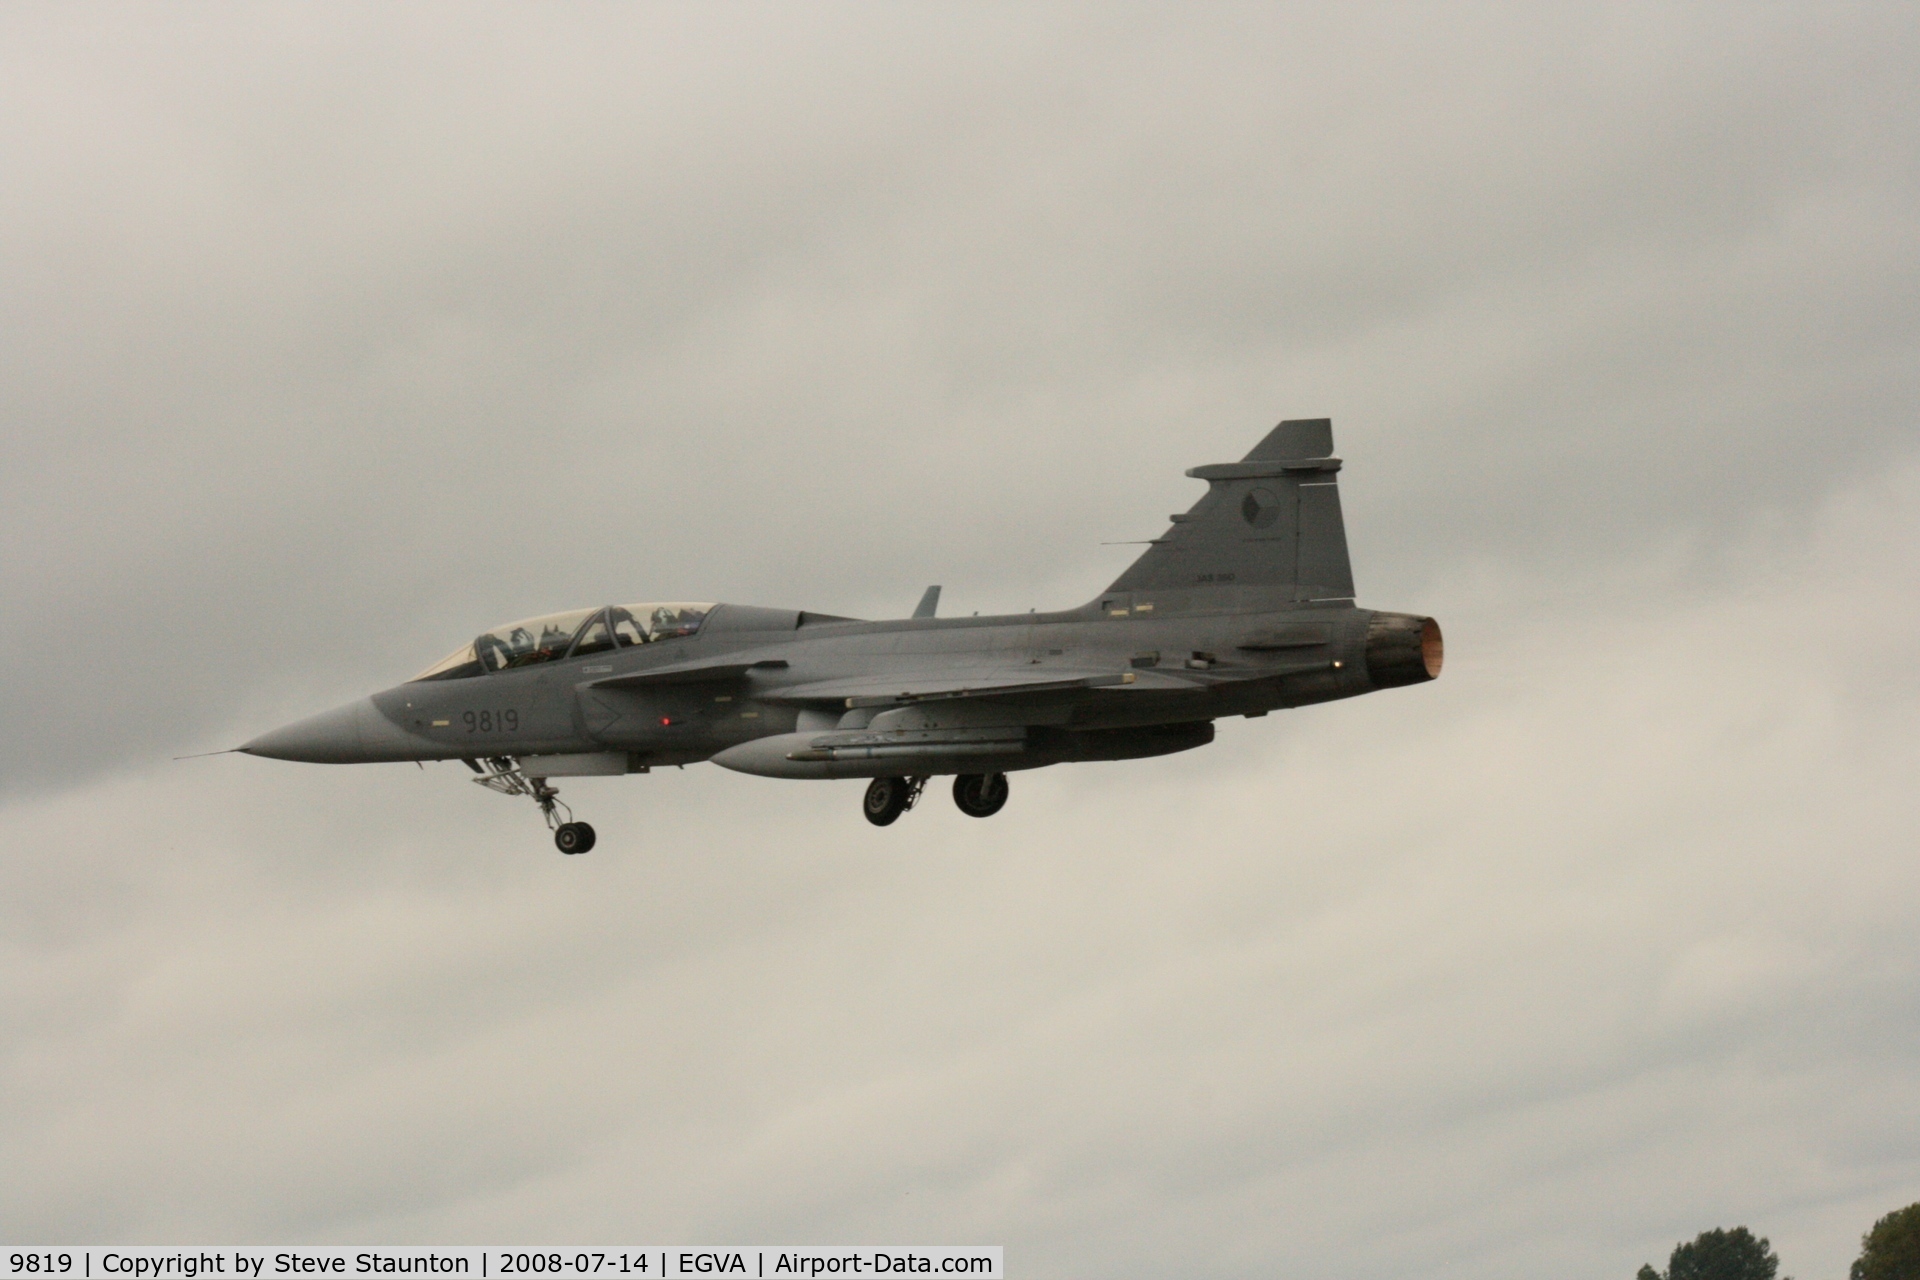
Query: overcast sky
x,y
333,334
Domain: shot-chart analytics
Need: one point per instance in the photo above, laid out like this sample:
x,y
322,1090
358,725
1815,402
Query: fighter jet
x,y
1243,605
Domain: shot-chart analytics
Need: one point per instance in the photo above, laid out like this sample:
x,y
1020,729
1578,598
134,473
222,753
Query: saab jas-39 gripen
x,y
1245,604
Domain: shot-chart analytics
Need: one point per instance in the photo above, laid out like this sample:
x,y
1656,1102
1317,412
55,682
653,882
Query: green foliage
x,y
1891,1251
1721,1255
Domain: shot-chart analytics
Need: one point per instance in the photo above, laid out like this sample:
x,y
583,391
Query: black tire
x,y
573,837
980,795
886,800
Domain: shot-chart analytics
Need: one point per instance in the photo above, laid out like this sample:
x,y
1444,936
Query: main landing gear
x,y
503,775
888,798
979,795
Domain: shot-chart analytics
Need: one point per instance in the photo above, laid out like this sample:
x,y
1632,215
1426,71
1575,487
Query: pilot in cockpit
x,y
575,633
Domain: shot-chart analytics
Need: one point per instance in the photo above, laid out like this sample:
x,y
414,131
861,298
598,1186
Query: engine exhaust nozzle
x,y
1403,649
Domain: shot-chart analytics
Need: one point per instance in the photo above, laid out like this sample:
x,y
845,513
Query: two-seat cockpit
x,y
556,636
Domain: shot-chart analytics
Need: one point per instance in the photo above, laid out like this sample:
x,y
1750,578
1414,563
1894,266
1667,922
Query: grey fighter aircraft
x,y
1243,605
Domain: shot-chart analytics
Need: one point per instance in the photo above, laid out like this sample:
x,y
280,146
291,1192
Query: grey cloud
x,y
1542,967
398,334
335,336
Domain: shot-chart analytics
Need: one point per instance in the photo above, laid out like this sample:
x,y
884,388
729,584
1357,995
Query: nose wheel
x,y
980,795
502,774
573,837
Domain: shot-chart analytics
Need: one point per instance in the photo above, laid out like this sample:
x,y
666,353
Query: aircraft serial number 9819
x,y
506,721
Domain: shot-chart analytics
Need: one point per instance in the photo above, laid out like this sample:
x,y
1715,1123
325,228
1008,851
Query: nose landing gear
x,y
503,775
573,837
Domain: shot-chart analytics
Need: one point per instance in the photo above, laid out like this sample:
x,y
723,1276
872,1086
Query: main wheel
x,y
980,795
886,800
573,837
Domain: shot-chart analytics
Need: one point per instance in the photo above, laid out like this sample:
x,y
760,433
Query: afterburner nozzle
x,y
1403,648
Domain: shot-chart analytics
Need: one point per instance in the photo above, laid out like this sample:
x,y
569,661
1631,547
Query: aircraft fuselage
x,y
1245,605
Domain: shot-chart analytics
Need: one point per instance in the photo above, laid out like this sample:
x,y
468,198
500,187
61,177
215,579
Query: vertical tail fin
x,y
1269,520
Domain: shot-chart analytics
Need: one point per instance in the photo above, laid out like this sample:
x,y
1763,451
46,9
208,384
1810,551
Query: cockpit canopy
x,y
554,636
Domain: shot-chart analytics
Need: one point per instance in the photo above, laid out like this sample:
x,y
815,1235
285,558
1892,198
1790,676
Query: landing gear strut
x,y
980,795
888,798
503,775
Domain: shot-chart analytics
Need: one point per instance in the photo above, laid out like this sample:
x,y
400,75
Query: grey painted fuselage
x,y
1243,607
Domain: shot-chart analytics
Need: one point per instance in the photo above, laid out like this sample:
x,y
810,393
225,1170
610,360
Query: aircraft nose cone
x,y
332,737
